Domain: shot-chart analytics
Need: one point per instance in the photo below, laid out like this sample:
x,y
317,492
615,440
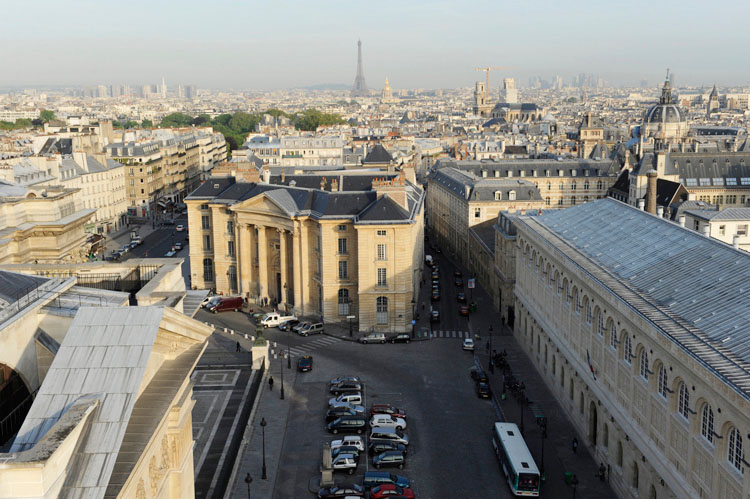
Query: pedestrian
x,y
270,383
575,445
487,347
238,346
602,470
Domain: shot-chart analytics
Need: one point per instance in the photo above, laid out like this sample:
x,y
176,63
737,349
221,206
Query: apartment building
x,y
303,150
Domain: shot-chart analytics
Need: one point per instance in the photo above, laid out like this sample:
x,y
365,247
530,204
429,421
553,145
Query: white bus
x,y
518,466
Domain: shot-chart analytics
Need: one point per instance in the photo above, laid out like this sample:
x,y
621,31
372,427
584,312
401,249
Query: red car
x,y
390,490
463,310
387,409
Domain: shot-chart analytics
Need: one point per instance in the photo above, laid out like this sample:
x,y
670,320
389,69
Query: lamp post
x,y
248,481
288,357
522,401
413,321
281,365
574,482
542,422
263,427
492,359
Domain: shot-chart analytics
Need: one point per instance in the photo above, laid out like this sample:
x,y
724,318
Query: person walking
x,y
270,383
602,470
487,347
575,445
238,346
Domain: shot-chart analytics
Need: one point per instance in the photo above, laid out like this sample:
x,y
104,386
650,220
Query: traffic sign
x,y
470,283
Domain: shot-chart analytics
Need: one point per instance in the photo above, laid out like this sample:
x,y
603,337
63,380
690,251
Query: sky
x,y
417,44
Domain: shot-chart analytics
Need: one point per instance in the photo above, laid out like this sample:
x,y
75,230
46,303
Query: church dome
x,y
665,113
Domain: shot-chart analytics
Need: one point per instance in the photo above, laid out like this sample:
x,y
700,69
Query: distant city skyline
x,y
417,44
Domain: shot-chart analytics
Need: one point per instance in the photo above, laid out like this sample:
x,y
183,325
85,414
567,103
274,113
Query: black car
x,y
389,458
342,490
379,446
288,325
345,387
345,449
483,390
459,282
435,283
478,375
435,275
435,295
400,338
435,316
457,273
461,297
336,412
305,364
348,424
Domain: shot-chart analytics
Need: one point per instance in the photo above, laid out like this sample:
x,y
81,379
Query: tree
x,y
570,100
201,119
276,112
46,115
23,123
147,124
243,122
222,119
311,119
176,120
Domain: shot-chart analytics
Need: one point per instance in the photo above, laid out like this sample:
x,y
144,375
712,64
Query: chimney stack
x,y
660,211
736,241
641,204
266,174
334,185
651,192
283,176
706,230
323,184
682,220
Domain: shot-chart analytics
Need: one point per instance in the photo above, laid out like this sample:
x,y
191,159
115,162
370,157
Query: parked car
x,y
137,240
435,316
468,344
348,424
170,254
125,249
224,303
463,310
346,387
483,390
178,245
180,228
459,282
457,273
389,490
345,462
304,364
168,222
273,319
435,275
388,433
297,327
389,458
461,297
341,491
375,478
478,375
435,295
379,446
373,338
339,379
400,338
345,449
428,260
387,409
349,398
388,420
288,325
349,440
313,328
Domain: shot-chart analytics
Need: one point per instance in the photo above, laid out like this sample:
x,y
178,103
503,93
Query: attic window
x,y
705,181
524,464
510,173
510,433
216,186
586,173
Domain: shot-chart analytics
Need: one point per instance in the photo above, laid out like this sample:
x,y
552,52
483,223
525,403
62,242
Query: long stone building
x,y
327,246
639,328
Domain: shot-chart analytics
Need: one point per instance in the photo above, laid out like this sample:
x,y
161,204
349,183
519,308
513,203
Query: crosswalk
x,y
313,345
451,334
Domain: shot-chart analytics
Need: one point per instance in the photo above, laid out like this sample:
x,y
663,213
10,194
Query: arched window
x,y
554,365
683,400
547,201
567,293
605,435
589,313
612,335
627,349
573,186
382,310
644,364
662,385
511,195
559,283
549,186
498,196
208,269
600,323
635,475
707,423
735,455
599,185
343,301
619,454
552,279
586,185
572,200
562,186
577,296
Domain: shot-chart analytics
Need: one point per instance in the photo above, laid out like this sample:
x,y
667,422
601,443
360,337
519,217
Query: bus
x,y
515,459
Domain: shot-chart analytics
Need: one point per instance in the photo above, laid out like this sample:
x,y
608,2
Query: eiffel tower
x,y
360,87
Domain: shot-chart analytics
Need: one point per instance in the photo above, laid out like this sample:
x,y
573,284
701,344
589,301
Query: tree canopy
x,y
46,115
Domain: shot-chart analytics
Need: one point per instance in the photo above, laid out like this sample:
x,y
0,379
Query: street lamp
x,y
288,357
522,401
281,365
248,481
413,321
574,481
542,422
263,427
492,358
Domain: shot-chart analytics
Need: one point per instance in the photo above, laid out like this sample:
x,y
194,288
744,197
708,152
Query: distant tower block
x,y
509,93
360,87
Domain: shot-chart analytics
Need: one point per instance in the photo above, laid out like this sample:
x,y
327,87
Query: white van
x,y
428,260
274,319
348,398
349,441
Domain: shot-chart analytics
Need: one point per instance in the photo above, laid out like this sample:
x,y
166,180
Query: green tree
x,y
147,124
311,119
276,112
570,100
243,122
176,120
222,119
201,119
23,123
46,115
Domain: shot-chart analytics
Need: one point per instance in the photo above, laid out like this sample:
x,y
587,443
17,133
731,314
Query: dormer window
x,y
512,195
498,196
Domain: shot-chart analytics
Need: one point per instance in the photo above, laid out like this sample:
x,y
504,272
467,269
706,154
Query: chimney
x,y
660,211
467,191
334,185
641,204
323,184
736,241
266,175
682,220
706,230
283,176
651,192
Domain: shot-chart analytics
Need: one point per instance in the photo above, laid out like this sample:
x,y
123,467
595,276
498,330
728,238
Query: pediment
x,y
262,204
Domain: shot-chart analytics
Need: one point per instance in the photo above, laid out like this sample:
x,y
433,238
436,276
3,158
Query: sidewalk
x,y
116,240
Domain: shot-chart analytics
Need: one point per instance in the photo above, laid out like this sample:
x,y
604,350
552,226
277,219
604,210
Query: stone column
x,y
244,261
297,269
283,266
250,257
262,262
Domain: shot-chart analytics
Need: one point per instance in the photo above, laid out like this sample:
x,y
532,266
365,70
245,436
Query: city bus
x,y
515,459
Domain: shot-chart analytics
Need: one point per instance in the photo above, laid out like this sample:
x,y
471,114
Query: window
x,y
552,278
343,269
572,200
342,228
208,269
707,423
381,252
206,222
662,385
382,281
619,454
498,196
589,313
573,186
343,302
627,349
230,249
735,455
559,284
683,400
567,293
203,206
644,365
477,212
577,301
722,230
586,185
547,202
206,243
599,185
742,230
381,310
381,233
342,246
512,195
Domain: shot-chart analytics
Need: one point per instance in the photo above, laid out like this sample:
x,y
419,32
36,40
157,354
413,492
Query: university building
x,y
328,246
638,327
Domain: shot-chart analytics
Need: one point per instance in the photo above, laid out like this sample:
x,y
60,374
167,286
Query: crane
x,y
487,70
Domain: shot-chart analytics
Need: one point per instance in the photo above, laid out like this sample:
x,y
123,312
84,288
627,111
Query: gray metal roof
x,y
694,289
459,182
737,214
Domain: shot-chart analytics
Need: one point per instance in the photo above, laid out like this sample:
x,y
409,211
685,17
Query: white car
x,y
180,228
349,398
352,440
468,344
388,420
345,462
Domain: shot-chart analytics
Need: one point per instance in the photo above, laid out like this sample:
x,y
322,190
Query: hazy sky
x,y
284,43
